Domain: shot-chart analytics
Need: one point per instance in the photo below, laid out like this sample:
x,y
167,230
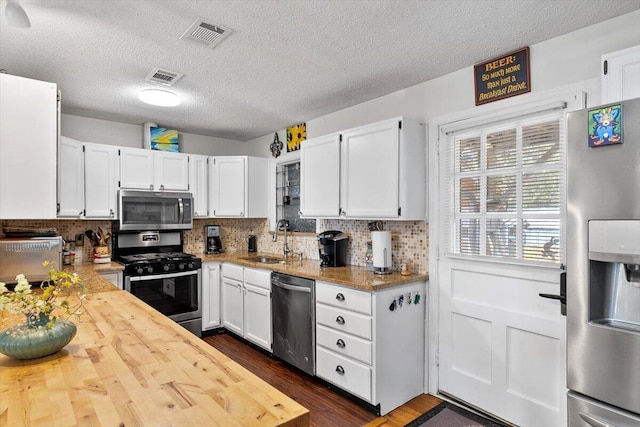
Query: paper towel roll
x,y
381,245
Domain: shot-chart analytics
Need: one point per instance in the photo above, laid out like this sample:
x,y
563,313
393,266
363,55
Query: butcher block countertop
x,y
129,365
352,276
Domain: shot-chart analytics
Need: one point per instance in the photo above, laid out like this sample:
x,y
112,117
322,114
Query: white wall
x,y
127,135
566,60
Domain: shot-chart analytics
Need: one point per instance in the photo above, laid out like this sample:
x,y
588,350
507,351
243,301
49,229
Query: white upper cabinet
x,y
199,184
171,171
71,179
320,177
143,169
28,145
380,168
620,78
88,180
136,169
238,187
101,172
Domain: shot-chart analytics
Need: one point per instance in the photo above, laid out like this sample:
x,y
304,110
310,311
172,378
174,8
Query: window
x,y
504,191
288,198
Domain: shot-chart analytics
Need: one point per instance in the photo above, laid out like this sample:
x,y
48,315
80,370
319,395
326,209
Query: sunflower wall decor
x,y
295,135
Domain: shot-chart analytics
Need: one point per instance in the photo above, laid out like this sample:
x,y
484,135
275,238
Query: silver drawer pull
x,y
340,370
340,297
340,320
340,343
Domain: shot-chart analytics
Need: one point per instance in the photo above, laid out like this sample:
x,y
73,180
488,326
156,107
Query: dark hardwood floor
x,y
327,408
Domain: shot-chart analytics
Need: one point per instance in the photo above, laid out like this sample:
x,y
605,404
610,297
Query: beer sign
x,y
503,77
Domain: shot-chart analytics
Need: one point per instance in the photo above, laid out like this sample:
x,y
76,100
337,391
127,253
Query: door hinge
x,y
118,184
400,124
340,138
83,148
438,357
58,96
118,151
399,211
58,207
605,67
84,212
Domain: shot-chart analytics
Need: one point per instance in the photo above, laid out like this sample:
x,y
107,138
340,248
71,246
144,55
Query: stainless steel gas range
x,y
157,271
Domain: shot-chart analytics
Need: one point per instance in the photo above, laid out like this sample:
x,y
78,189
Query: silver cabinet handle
x,y
340,343
340,320
162,187
150,186
340,370
593,421
340,297
111,213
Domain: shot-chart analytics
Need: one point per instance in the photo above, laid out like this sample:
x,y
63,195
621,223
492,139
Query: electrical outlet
x,y
79,240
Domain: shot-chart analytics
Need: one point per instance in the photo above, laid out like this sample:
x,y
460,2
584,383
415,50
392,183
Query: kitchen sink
x,y
263,259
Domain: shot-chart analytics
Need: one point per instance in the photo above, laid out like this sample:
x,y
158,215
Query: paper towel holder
x,y
382,270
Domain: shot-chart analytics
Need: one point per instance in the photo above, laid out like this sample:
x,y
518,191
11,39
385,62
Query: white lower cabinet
x,y
210,295
246,303
366,348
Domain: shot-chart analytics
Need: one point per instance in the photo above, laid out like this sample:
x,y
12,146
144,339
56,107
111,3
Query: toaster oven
x,y
26,255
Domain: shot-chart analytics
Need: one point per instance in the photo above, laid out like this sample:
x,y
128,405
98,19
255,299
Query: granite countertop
x,y
352,276
130,365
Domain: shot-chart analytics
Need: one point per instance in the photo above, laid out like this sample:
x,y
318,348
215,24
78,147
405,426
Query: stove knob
x,y
139,270
149,269
190,265
166,267
181,266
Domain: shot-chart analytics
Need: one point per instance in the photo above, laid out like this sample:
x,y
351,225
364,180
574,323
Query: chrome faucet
x,y
284,224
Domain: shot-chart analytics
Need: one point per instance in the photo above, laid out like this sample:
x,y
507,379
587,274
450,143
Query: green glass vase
x,y
35,339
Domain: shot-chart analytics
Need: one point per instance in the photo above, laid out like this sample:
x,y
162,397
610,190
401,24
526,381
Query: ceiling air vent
x,y
164,77
206,34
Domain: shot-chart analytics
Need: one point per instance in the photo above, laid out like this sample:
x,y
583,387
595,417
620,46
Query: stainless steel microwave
x,y
151,210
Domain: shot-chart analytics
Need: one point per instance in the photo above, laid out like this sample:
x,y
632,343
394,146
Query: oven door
x,y
148,210
176,295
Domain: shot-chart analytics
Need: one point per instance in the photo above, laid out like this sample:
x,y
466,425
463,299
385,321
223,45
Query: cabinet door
x,y
210,295
232,305
28,147
257,315
620,76
171,171
229,190
71,179
136,169
199,184
320,177
101,170
370,171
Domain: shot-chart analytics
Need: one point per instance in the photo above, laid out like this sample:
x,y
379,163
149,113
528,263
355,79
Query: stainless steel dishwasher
x,y
293,312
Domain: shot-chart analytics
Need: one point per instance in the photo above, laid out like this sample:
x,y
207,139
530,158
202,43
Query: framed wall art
x,y
295,135
605,125
163,139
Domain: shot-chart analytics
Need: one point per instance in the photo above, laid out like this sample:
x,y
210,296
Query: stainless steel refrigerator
x,y
603,266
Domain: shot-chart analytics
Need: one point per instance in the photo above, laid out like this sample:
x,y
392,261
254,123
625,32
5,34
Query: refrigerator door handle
x,y
593,421
563,294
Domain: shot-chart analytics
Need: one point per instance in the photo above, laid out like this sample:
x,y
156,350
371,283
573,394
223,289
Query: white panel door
x,y
622,77
199,184
369,171
211,295
502,347
136,169
257,315
171,171
320,177
101,171
71,177
229,186
232,305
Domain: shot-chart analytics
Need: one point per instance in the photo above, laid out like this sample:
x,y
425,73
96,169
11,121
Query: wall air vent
x,y
206,34
164,77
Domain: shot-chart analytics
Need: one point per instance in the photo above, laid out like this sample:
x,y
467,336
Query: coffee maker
x,y
332,246
213,244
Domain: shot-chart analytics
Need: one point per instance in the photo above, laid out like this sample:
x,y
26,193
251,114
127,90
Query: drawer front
x,y
260,278
351,376
345,321
344,344
346,298
232,271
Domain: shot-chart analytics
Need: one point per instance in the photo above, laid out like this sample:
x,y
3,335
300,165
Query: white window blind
x,y
503,193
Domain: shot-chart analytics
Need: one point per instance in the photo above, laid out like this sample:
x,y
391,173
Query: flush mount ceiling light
x,y
159,97
16,16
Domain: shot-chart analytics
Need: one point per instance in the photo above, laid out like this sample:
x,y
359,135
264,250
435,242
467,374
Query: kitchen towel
x,y
381,245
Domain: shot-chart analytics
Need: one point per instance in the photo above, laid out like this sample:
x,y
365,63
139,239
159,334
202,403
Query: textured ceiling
x,y
286,61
